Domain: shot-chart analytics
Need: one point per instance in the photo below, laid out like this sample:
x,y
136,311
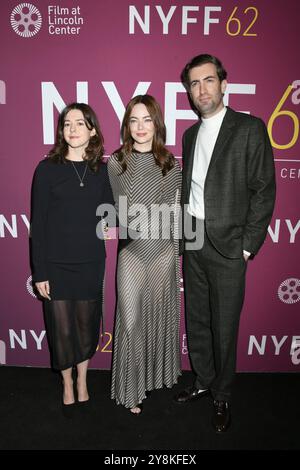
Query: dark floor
x,y
265,416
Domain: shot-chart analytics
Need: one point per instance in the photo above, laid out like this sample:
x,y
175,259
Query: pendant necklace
x,y
80,179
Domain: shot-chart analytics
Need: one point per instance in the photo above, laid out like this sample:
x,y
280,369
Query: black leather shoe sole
x,y
185,397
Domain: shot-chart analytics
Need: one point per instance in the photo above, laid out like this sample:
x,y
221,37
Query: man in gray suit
x,y
229,191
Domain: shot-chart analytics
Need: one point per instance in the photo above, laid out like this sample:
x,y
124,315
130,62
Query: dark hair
x,y
94,151
201,60
163,158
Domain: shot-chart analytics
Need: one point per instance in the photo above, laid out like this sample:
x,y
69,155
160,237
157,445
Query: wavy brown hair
x,y
163,158
95,149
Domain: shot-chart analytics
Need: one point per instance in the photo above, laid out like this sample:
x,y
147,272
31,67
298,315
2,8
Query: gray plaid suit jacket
x,y
239,191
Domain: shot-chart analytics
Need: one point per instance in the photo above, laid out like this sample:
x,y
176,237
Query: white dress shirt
x,y
205,143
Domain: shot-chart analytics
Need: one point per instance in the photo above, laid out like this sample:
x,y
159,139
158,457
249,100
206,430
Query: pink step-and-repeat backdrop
x,y
104,52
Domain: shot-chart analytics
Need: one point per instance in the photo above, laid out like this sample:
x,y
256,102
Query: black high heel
x,y
68,410
84,405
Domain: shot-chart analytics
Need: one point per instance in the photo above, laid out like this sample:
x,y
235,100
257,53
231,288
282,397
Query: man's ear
x,y
223,86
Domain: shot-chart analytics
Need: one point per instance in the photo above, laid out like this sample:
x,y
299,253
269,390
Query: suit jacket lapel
x,y
223,137
190,157
225,133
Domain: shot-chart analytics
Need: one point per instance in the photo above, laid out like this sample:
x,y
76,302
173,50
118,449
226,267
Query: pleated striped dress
x,y
146,352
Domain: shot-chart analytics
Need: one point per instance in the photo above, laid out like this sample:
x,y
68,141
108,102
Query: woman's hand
x,y
43,289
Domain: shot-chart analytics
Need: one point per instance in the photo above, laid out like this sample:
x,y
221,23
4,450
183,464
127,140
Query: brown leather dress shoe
x,y
190,394
221,418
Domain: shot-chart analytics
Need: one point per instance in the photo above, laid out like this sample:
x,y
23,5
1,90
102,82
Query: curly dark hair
x,y
163,158
95,149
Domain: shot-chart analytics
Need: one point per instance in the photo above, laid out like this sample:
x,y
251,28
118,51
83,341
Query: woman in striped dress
x,y
146,183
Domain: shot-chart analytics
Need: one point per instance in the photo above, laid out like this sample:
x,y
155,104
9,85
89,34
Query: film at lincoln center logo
x,y
289,291
26,20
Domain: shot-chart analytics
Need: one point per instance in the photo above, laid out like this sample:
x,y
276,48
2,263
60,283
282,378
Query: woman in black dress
x,y
67,256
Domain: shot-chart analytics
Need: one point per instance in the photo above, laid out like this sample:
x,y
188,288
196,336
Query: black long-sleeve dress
x,y
66,252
